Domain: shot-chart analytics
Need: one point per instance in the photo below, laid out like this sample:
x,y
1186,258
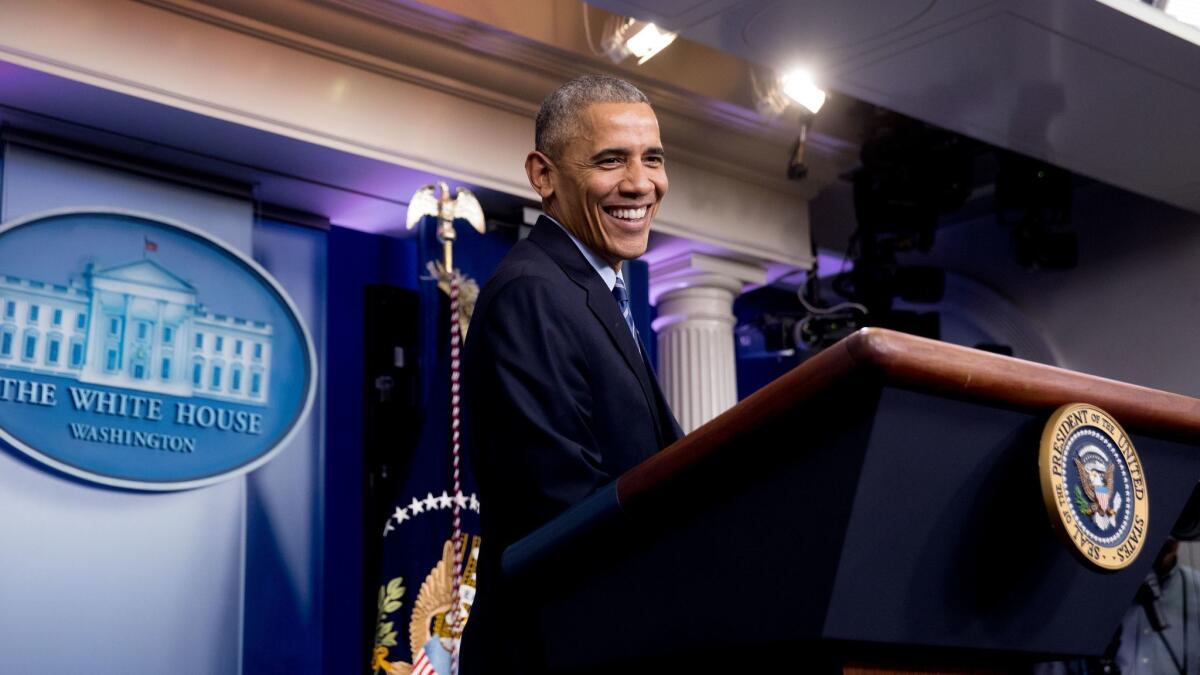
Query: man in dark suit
x,y
560,399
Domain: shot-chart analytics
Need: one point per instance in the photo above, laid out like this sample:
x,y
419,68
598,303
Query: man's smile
x,y
630,217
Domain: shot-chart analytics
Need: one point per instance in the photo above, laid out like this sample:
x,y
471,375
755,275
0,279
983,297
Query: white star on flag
x,y
416,506
431,502
474,504
461,500
387,527
401,515
444,501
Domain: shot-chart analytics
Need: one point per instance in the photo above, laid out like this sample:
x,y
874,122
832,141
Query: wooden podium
x,y
880,504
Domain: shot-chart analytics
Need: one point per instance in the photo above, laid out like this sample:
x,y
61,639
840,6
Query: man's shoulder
x,y
527,268
525,259
528,285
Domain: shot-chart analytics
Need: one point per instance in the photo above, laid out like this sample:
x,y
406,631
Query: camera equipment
x,y
1034,199
911,175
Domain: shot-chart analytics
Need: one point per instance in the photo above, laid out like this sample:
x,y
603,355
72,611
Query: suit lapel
x,y
551,238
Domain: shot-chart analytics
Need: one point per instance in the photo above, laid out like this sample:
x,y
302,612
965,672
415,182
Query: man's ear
x,y
540,170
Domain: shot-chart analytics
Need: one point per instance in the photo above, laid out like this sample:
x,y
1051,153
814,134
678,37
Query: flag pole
x,y
446,235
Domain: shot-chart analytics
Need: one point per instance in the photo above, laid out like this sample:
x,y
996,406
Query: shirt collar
x,y
606,272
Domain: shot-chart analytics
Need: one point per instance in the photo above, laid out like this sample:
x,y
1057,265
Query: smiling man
x,y
560,399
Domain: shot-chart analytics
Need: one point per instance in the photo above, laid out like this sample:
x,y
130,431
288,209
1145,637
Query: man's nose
x,y
637,180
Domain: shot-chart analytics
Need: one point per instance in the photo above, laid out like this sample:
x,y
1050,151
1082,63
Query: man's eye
x,y
654,160
610,161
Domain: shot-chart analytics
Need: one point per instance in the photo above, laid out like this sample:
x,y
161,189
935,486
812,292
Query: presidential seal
x,y
1093,486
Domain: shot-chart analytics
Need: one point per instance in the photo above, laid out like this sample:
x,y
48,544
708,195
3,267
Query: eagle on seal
x,y
1099,490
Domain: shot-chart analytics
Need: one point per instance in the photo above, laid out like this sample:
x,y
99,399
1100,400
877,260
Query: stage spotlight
x,y
649,41
801,87
774,95
635,38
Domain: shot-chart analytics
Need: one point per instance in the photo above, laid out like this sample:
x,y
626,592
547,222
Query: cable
x,y
813,280
813,309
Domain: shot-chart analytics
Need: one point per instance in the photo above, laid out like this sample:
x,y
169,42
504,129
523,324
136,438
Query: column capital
x,y
693,269
694,294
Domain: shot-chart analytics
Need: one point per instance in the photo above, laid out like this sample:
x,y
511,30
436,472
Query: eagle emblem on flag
x,y
431,639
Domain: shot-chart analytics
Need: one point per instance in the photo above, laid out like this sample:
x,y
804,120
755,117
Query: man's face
x,y
608,182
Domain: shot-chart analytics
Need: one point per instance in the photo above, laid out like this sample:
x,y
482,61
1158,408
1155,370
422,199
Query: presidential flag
x,y
420,615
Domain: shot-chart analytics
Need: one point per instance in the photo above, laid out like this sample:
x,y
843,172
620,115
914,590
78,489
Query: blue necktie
x,y
622,296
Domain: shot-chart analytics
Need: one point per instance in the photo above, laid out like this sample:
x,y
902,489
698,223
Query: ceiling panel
x,y
1002,64
791,29
1105,88
1024,86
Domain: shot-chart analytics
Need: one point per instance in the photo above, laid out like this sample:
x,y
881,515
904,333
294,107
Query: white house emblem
x,y
141,352
135,326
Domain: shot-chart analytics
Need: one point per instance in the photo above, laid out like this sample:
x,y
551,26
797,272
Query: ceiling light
x,y
775,95
631,37
648,41
800,86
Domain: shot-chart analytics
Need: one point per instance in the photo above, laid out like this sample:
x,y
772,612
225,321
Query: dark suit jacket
x,y
559,401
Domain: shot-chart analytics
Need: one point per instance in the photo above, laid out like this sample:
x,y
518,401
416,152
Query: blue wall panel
x,y
356,260
124,582
286,498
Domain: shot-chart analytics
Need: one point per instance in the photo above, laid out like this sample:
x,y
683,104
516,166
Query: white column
x,y
694,294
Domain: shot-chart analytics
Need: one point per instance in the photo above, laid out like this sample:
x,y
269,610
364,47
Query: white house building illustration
x,y
136,326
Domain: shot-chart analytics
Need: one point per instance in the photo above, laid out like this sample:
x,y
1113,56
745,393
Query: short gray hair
x,y
559,114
